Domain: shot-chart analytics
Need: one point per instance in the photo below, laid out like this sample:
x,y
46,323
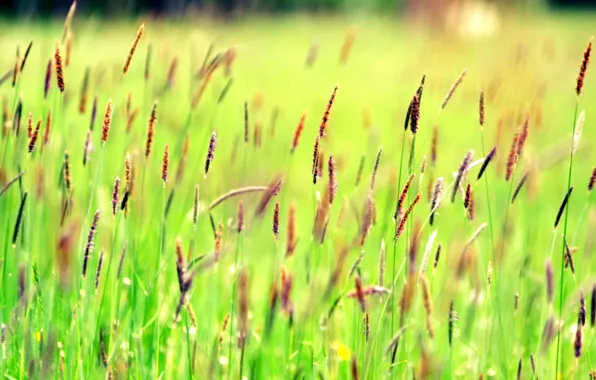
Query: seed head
x,y
332,180
67,178
375,168
315,160
115,196
453,87
48,79
291,244
276,220
583,67
592,180
481,108
414,114
133,48
107,121
89,245
298,132
210,152
59,69
33,138
461,173
327,112
151,129
164,165
435,201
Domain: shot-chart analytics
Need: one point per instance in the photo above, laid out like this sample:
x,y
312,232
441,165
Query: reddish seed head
x,y
327,112
481,108
180,265
151,129
332,181
584,66
33,138
402,223
434,144
360,293
461,173
402,198
107,121
298,132
276,220
59,69
164,165
291,244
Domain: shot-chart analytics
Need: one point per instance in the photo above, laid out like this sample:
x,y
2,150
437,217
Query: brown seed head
x,y
435,201
461,173
291,244
133,48
469,202
98,272
298,132
272,190
34,136
151,129
276,220
327,112
30,125
402,223
107,121
453,87
367,219
164,165
397,215
315,160
59,69
218,241
582,69
332,180
481,108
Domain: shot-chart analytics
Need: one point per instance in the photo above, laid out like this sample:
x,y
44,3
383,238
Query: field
x,y
117,262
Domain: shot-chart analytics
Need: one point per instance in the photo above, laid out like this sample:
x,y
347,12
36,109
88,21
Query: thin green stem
x,y
561,281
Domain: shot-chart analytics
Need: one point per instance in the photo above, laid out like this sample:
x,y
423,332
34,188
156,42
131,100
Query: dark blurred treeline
x,y
113,7
44,8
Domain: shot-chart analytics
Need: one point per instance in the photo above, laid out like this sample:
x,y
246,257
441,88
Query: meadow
x,y
296,197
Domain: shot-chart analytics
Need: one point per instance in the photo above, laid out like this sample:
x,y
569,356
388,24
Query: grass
x,y
55,323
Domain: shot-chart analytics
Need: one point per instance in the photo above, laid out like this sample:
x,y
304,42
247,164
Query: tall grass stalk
x,y
562,271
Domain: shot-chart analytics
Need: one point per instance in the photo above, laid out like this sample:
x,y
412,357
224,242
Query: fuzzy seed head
x,y
107,121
